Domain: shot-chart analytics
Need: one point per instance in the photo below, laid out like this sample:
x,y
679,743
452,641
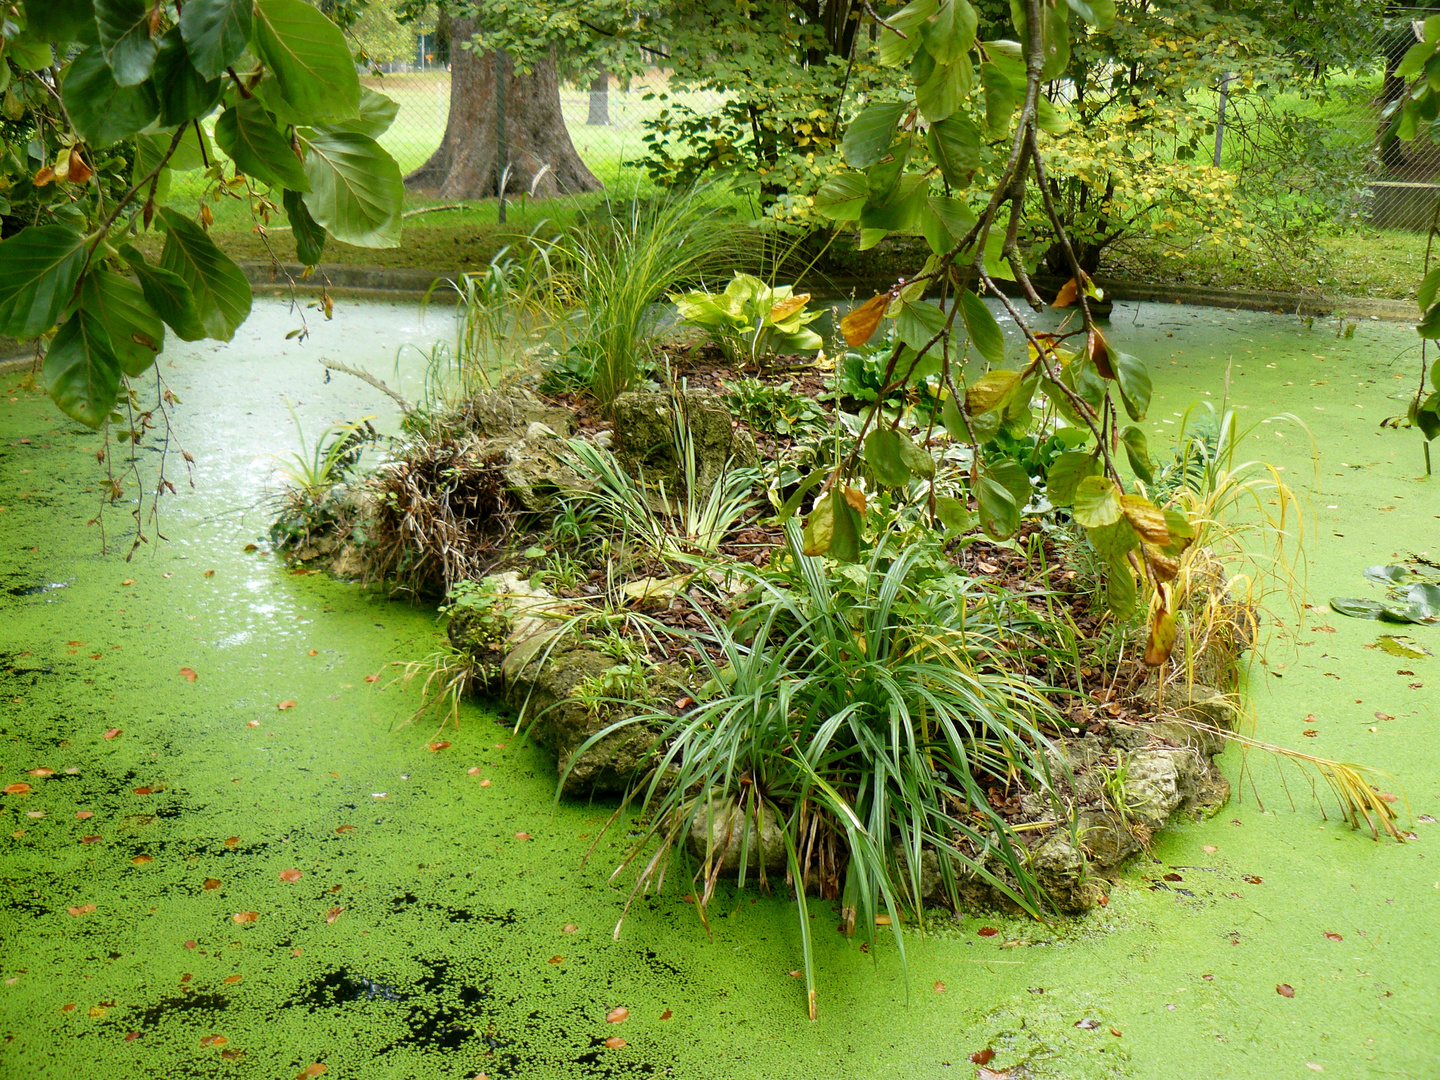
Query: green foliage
x,y
751,320
312,475
94,165
861,716
775,407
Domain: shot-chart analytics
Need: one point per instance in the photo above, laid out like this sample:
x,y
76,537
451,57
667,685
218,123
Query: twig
x,y
365,376
434,209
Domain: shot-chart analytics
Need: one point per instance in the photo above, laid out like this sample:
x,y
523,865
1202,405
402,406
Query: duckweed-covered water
x,y
422,937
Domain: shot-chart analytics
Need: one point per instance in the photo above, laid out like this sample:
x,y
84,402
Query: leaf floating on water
x,y
231,980
42,772
232,841
191,944
940,989
285,705
569,928
345,829
1087,1024
37,814
333,914
983,1073
83,909
252,723
90,839
1172,876
209,573
132,1036
615,1042
231,1055
372,678
1209,849
474,770
213,883
1285,990
1389,796
251,547
145,789
291,875
1405,647
484,783
666,1015
141,860
1426,819
1254,879
16,789
310,1071
435,747
987,931
113,732
523,836
1116,1032
1330,935
983,1057
617,1015
557,959
190,674
128,581
244,917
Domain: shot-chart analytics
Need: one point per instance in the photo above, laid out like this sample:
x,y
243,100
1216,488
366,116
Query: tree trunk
x,y
470,161
599,101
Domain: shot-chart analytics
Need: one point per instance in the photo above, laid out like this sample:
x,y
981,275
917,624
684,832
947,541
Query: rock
x,y
535,467
1159,782
1106,839
1060,868
724,827
645,438
348,564
499,413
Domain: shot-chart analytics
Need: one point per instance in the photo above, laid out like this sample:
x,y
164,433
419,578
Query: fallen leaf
x,y
1087,1024
523,836
987,931
17,789
437,746
372,678
983,1057
285,705
90,839
97,1011
484,783
213,883
1426,819
1253,879
474,770
145,790
983,1073
141,860
1383,715
190,674
191,944
666,1015
309,1071
345,829
34,813
615,1042
333,914
42,772
1310,733
939,987
231,980
132,1036
67,1008
231,1055
314,652
291,875
245,916
1172,876
252,723
1209,849
112,732
1389,796
1332,936
617,1015
83,909
1314,1066
1117,1033
1285,990
569,928
251,547
209,573
557,959
232,841
128,581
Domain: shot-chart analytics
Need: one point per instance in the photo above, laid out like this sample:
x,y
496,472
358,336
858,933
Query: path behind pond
x,y
424,939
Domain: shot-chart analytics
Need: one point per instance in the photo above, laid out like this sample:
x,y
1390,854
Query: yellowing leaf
x,y
1162,638
859,325
1147,519
1068,294
787,307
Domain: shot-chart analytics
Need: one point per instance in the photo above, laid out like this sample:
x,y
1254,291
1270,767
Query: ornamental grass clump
x,y
863,717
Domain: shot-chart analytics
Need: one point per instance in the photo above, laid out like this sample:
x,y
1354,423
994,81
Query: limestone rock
x,y
1159,782
645,432
496,414
724,828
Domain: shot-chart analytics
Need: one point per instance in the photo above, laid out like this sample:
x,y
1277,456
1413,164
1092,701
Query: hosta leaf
x,y
221,293
882,453
985,332
39,268
870,134
124,28
103,111
1097,502
999,514
215,32
310,61
248,137
356,192
184,93
309,236
135,332
80,374
167,293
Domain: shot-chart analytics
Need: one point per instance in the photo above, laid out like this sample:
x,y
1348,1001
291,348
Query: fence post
x,y
1220,116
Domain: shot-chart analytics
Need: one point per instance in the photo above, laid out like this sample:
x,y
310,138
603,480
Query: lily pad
x,y
1387,575
1404,647
1425,596
1358,607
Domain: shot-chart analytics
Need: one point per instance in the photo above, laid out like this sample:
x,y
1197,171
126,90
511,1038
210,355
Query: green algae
x,y
438,961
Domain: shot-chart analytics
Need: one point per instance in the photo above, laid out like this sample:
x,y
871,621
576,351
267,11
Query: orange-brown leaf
x,y
244,917
1068,294
787,307
189,673
291,875
617,1015
859,325
1162,638
80,172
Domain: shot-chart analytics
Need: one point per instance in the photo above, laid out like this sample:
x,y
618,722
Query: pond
x,y
246,863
